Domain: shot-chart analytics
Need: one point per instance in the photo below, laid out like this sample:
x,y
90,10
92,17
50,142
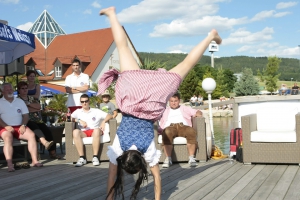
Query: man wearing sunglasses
x,y
91,123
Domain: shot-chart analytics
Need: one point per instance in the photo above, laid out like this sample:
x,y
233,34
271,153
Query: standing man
x,y
91,123
76,84
176,122
13,119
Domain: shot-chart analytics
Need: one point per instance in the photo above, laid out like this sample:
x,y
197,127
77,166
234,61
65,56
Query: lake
x,y
222,127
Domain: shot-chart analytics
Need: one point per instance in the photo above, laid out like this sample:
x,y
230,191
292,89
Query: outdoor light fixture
x,y
209,85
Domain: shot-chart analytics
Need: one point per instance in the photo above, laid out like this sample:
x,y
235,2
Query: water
x,y
222,127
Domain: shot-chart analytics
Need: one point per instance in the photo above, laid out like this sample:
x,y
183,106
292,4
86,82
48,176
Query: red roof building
x,y
52,59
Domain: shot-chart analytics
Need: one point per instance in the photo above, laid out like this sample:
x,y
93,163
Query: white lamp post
x,y
209,85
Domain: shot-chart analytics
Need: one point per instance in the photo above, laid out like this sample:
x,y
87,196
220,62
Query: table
x,y
58,134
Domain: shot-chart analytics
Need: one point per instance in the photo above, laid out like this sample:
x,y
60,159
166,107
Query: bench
x,y
16,143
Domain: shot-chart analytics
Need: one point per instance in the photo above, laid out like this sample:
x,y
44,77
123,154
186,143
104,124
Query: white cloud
x,y
151,10
26,26
180,48
9,1
195,27
268,14
95,4
87,12
283,5
242,36
47,7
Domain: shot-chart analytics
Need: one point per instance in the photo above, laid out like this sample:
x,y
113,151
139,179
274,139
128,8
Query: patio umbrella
x,y
14,43
47,91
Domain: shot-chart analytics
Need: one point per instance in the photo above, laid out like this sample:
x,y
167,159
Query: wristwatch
x,y
24,125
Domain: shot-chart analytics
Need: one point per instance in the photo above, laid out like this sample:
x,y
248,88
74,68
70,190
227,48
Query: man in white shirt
x,y
14,117
76,84
91,123
194,101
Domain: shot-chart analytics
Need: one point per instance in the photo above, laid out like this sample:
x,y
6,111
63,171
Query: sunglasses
x,y
86,101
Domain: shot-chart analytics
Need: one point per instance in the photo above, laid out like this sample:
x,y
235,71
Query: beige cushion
x,y
103,139
273,136
276,119
177,140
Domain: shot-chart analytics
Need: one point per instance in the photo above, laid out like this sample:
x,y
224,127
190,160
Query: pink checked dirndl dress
x,y
142,94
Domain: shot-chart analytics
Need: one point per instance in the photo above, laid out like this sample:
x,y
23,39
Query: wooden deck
x,y
212,180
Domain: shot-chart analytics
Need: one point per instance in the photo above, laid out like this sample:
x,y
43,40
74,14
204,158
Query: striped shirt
x,y
141,93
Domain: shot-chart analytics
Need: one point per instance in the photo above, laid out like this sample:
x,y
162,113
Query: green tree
x,y
152,65
58,103
247,85
95,100
189,85
271,73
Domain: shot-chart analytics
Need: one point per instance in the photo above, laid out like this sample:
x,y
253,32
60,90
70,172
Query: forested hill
x,y
289,67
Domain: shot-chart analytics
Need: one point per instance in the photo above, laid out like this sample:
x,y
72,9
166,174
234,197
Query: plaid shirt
x,y
141,93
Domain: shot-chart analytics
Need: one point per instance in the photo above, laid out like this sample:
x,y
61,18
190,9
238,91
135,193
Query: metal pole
x,y
212,59
211,119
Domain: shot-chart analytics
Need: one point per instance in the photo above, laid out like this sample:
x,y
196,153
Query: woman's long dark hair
x,y
132,162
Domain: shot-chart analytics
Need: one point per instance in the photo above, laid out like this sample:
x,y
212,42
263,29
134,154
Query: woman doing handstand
x,y
141,95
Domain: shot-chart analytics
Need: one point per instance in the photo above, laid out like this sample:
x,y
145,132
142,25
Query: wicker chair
x,y
71,151
180,153
269,152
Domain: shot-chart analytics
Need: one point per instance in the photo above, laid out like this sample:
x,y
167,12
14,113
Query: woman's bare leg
x,y
194,56
127,61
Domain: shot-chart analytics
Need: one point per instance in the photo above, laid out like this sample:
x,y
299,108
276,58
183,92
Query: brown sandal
x,y
55,156
48,144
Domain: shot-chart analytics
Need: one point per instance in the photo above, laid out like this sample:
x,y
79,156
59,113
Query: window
x,y
57,71
50,73
39,72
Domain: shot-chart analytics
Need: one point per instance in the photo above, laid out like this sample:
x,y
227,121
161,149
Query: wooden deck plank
x,y
211,180
294,191
238,186
223,187
198,180
258,180
266,188
206,189
284,183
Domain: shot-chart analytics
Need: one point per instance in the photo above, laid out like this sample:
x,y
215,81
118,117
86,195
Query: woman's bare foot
x,y
216,36
107,11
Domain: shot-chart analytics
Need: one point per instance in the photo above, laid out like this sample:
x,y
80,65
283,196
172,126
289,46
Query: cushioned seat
x,y
271,135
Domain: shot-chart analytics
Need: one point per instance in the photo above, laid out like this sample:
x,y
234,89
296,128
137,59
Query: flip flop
x,y
37,165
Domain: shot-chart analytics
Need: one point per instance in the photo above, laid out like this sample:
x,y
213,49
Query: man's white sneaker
x,y
192,162
95,161
80,162
167,163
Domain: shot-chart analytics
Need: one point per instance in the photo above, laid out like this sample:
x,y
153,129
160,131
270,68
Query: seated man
x,y
89,126
200,100
283,90
176,122
193,101
295,89
14,117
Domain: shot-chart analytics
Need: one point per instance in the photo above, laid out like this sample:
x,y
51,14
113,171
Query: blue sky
x,y
248,27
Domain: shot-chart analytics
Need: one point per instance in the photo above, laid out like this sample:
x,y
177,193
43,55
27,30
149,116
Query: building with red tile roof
x,y
52,59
